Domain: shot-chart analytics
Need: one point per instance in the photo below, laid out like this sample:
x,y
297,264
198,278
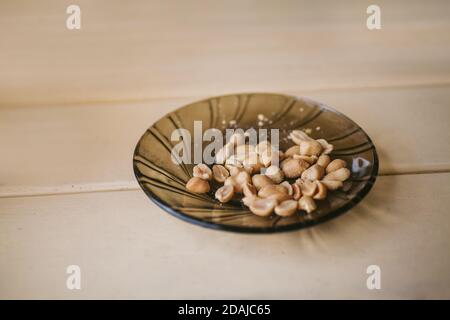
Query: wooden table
x,y
74,103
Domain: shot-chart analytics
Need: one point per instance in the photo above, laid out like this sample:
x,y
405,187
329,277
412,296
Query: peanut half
x,y
275,174
197,185
307,203
202,171
263,207
293,168
220,173
286,208
341,174
310,148
260,181
335,165
224,193
313,173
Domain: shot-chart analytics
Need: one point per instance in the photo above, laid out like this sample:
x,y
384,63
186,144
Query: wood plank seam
x,y
20,192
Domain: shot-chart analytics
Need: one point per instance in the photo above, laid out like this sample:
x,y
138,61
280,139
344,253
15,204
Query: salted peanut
x,y
322,191
224,193
324,160
296,191
294,150
310,148
279,196
270,157
238,181
314,172
288,187
341,174
220,173
293,168
299,136
247,201
260,181
237,138
286,208
310,159
231,181
271,189
262,147
224,153
234,171
249,190
243,178
275,174
332,184
202,171
197,185
327,147
263,207
336,164
266,158
307,203
308,188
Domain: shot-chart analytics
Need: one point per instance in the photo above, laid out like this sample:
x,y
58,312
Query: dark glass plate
x,y
164,181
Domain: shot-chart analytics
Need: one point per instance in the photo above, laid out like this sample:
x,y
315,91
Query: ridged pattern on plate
x,y
164,182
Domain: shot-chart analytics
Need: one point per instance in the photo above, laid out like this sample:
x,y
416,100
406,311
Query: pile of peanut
x,y
252,171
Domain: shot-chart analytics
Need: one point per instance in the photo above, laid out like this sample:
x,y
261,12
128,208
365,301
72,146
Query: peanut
x,y
197,185
310,148
202,171
332,184
324,160
263,207
293,168
286,208
260,181
322,191
335,165
220,173
225,193
315,172
307,204
341,174
294,150
275,174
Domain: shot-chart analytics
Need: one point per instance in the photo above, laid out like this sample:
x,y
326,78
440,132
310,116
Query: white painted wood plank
x,y
82,148
129,248
154,49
